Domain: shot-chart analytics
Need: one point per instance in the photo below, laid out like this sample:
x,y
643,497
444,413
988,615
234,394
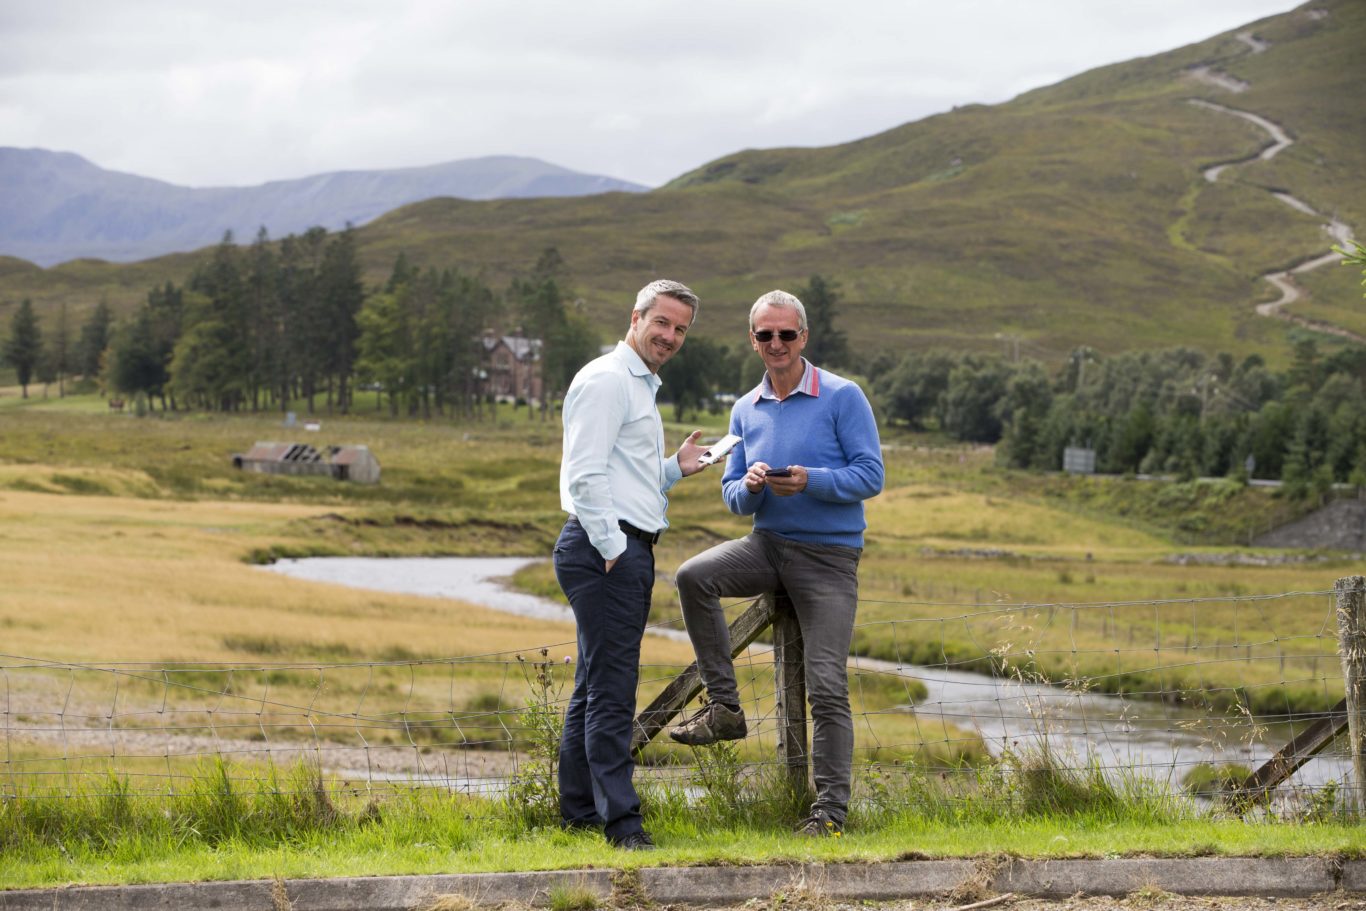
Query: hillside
x,y
1075,213
60,207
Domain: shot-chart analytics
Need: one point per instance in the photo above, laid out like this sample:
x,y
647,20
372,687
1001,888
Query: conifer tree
x,y
24,347
826,346
93,341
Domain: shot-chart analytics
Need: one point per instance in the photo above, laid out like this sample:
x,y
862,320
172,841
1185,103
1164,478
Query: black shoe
x,y
714,722
635,841
820,825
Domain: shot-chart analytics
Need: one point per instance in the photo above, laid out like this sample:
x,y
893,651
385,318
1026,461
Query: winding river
x,y
1154,740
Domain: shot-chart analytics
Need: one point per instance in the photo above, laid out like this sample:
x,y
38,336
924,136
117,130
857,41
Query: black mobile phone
x,y
778,473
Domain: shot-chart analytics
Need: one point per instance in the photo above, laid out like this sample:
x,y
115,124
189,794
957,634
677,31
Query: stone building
x,y
511,369
342,463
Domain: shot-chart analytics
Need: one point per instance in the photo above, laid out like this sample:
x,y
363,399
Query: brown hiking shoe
x,y
714,722
820,825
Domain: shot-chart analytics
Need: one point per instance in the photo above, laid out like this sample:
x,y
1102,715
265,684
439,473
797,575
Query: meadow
x,y
140,637
966,564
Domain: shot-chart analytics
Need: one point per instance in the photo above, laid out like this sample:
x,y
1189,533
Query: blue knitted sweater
x,y
830,431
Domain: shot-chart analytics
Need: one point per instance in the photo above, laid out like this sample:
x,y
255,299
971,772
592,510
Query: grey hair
x,y
780,300
677,290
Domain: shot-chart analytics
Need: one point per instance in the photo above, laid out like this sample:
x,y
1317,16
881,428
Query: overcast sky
x,y
234,93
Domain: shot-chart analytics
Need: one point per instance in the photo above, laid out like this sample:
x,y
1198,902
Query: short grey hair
x,y
780,300
663,287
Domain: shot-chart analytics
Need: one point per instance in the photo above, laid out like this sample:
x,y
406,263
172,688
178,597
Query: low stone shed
x,y
342,463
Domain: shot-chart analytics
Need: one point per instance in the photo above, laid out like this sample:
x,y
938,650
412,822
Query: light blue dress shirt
x,y
613,467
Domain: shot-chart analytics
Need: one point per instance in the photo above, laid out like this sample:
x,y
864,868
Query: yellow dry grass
x,y
106,579
940,517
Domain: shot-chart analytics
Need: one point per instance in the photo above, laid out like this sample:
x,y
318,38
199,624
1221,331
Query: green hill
x,y
1075,213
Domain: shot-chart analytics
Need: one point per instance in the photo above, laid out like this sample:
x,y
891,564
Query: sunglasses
x,y
766,335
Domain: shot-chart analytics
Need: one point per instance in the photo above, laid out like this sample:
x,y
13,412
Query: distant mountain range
x,y
57,206
1082,213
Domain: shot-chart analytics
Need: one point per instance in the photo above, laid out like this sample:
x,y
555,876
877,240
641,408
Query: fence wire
x,y
1152,688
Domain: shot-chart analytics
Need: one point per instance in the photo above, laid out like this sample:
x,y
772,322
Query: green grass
x,y
301,825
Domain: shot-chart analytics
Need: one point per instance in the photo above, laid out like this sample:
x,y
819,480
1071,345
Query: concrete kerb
x,y
1281,877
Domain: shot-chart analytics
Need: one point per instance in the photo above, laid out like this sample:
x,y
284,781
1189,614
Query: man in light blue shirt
x,y
613,483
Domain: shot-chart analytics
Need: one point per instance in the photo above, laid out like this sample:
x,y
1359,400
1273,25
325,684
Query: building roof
x,y
302,452
522,348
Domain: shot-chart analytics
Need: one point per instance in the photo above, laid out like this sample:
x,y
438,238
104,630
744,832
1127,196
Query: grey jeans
x,y
822,581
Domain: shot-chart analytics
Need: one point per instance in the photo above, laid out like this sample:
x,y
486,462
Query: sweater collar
x,y
809,384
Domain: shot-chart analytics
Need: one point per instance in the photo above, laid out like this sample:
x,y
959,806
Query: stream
x,y
1148,738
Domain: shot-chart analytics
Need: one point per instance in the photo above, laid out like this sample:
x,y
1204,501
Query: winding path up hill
x,y
1281,279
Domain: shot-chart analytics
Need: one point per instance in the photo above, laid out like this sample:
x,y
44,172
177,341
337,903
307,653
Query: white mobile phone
x,y
718,450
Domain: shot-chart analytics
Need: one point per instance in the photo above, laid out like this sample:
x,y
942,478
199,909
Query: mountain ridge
x,y
61,207
1074,214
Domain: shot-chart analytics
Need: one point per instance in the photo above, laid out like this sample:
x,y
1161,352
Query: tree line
x,y
271,326
290,325
1175,411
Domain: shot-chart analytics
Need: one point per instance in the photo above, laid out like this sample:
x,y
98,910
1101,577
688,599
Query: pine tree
x,y
826,346
94,339
342,294
60,354
265,326
24,348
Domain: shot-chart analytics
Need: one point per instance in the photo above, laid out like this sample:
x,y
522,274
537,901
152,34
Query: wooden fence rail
x,y
773,610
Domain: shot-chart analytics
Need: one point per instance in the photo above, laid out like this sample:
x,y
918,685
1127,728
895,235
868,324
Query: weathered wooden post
x,y
1351,598
789,670
669,704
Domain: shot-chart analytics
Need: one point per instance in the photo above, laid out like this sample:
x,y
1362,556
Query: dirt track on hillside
x,y
1281,279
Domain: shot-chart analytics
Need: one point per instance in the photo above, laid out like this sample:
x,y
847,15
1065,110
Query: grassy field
x,y
958,558
141,638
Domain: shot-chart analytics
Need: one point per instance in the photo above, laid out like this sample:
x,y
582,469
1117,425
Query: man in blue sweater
x,y
809,456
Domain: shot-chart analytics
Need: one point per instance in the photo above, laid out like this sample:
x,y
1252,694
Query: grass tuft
x,y
573,897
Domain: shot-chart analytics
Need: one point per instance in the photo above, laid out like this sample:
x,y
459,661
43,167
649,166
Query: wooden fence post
x,y
789,670
1351,598
669,704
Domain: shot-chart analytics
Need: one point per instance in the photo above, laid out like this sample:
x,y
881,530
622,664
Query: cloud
x,y
208,94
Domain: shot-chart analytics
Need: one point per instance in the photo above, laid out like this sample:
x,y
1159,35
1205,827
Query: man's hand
x,y
789,486
754,477
688,453
607,566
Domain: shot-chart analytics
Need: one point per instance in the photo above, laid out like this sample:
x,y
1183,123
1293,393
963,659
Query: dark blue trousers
x,y
610,610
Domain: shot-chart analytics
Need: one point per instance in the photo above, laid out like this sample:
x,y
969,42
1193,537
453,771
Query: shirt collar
x,y
810,384
627,355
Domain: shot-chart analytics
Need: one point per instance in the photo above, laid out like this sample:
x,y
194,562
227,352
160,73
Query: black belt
x,y
649,537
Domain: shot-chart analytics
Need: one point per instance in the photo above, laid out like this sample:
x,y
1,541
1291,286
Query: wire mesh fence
x,y
1171,690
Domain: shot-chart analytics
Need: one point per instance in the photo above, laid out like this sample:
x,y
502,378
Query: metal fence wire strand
x,y
1156,688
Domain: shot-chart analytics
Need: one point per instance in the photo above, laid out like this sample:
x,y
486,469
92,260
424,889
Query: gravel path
x,y
1283,279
